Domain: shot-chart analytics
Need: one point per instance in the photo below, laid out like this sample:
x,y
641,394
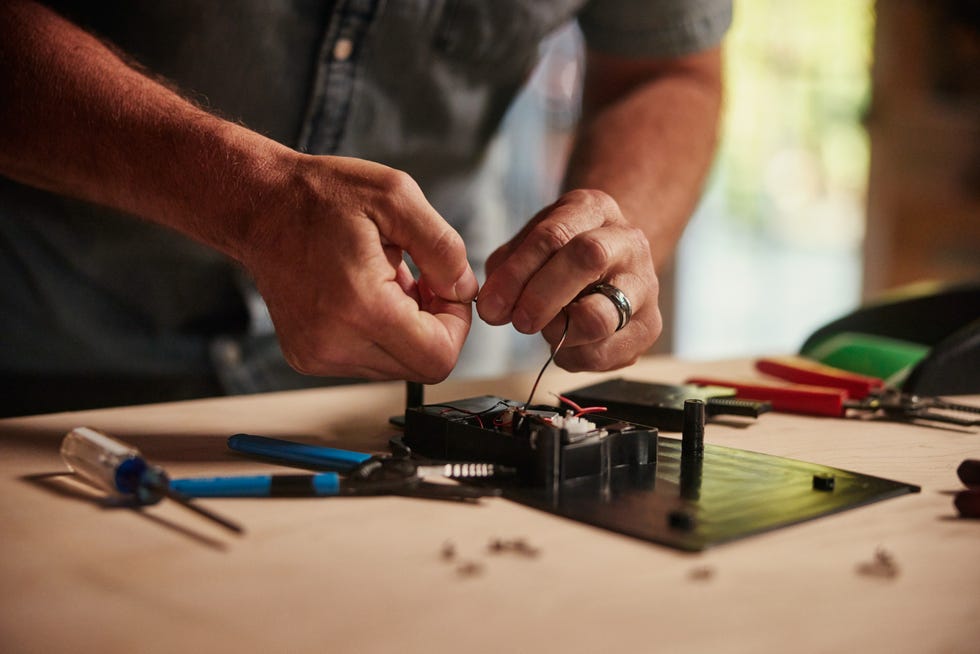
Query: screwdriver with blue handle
x,y
121,470
365,474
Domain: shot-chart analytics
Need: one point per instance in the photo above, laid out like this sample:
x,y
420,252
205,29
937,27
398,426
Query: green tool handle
x,y
866,354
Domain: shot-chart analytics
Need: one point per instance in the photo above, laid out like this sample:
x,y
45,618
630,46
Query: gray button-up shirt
x,y
418,85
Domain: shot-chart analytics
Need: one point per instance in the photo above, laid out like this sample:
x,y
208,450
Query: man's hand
x,y
323,237
581,239
643,145
326,254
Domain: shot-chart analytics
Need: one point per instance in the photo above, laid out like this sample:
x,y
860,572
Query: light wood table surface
x,y
367,575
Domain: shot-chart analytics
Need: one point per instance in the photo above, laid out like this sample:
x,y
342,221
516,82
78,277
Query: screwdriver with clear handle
x,y
121,469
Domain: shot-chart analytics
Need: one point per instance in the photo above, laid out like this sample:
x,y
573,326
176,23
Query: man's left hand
x,y
568,247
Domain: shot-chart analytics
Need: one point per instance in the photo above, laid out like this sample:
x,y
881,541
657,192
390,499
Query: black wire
x,y
471,414
546,363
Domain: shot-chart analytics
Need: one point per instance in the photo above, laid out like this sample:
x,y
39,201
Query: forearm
x,y
78,120
647,137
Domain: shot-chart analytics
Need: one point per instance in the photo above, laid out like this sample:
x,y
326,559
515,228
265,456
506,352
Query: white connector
x,y
572,424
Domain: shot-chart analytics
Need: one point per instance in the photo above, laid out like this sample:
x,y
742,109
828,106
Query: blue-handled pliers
x,y
364,474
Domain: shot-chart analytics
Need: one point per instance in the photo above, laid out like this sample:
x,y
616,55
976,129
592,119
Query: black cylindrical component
x,y
692,436
548,442
414,395
824,481
692,469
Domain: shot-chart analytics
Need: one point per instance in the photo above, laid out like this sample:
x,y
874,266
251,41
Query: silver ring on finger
x,y
619,300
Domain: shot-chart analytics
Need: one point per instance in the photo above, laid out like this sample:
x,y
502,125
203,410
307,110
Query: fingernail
x,y
492,308
466,287
521,321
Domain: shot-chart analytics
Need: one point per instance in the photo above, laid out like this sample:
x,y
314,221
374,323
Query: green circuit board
x,y
730,494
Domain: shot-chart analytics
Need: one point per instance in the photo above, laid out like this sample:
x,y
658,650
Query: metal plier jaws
x,y
909,408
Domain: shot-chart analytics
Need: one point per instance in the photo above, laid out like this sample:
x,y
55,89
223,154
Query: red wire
x,y
471,414
581,411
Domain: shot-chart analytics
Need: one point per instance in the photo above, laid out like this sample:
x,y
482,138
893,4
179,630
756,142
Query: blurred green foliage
x,y
794,151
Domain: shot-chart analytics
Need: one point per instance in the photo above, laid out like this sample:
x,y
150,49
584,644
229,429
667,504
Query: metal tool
x,y
799,370
324,484
121,470
364,474
827,391
897,405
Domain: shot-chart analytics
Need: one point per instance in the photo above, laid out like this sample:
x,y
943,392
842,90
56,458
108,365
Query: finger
x,y
621,349
408,220
365,312
500,255
384,368
393,253
591,318
594,316
587,200
611,354
549,235
358,358
600,254
428,339
497,257
404,279
395,339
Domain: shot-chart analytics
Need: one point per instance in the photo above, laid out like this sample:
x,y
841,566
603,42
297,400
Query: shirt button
x,y
229,352
342,49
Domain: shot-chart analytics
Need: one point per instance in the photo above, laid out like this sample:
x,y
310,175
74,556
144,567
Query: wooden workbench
x,y
367,574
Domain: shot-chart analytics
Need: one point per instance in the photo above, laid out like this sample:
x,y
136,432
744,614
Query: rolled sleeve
x,y
649,28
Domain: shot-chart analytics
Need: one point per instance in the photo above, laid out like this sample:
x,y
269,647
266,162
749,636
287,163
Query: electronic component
x,y
543,444
598,459
624,477
662,405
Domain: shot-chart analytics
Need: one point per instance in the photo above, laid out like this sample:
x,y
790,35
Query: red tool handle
x,y
804,371
808,400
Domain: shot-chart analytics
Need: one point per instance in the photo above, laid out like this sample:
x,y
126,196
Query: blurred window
x,y
774,250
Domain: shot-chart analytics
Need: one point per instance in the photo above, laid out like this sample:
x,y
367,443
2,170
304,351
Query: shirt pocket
x,y
497,39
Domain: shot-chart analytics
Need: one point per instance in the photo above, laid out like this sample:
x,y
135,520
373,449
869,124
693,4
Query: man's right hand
x,y
326,253
323,237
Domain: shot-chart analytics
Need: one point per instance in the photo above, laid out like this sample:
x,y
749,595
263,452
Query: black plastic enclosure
x,y
541,454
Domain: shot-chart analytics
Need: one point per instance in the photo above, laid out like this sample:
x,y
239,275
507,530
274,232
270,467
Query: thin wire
x,y
450,407
579,410
546,363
